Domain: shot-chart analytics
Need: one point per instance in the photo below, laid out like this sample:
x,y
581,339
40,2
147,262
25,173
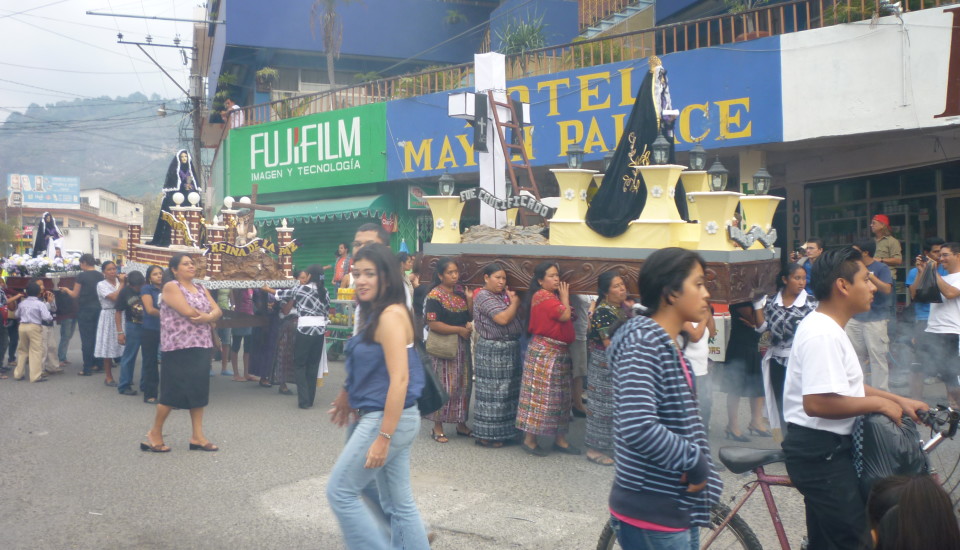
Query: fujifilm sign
x,y
323,147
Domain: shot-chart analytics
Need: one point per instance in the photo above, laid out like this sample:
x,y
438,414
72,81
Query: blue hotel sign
x,y
727,97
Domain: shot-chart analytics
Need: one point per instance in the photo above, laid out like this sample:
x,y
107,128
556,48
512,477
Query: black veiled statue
x,y
181,177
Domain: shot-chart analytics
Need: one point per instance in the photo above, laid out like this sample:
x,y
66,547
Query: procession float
x,y
642,202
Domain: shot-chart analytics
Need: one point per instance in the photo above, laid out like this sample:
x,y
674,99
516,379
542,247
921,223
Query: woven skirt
x,y
185,378
454,376
599,435
545,389
497,389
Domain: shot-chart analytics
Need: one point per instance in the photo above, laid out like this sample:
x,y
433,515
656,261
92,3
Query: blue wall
x,y
728,97
392,29
559,19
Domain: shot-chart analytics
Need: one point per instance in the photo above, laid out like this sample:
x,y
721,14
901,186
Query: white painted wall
x,y
853,79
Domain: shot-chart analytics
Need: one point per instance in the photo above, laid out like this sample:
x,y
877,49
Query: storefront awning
x,y
347,208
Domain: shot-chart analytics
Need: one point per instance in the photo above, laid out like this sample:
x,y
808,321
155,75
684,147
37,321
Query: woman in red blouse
x,y
545,390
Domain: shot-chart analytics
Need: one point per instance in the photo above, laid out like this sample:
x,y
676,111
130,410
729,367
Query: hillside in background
x,y
118,144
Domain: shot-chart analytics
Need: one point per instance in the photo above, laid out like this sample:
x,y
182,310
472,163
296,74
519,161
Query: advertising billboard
x,y
36,191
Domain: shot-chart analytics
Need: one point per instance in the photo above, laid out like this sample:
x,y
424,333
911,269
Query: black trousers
x,y
149,367
778,377
13,335
307,351
820,464
88,319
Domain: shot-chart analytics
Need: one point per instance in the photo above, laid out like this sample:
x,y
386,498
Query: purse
x,y
433,397
442,346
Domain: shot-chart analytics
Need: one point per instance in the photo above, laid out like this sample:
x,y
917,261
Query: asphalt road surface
x,y
74,477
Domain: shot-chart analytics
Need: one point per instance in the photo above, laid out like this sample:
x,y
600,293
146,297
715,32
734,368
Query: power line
x,y
72,70
32,9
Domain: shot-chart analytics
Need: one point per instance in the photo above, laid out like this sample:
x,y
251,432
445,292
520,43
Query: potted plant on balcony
x,y
266,78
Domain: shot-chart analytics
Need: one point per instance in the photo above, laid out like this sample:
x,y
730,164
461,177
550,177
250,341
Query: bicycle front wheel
x,y
736,534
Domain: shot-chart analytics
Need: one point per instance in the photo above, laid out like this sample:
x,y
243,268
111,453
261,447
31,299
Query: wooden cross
x,y
252,205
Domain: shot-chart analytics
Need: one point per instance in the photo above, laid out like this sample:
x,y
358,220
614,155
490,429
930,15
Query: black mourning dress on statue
x,y
180,177
622,193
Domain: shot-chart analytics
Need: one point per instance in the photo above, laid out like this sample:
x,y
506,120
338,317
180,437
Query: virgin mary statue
x,y
181,177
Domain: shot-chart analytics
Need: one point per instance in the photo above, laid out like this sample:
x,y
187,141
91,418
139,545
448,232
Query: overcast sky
x,y
53,51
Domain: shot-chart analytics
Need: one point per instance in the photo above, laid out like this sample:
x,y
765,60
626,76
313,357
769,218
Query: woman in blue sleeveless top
x,y
384,380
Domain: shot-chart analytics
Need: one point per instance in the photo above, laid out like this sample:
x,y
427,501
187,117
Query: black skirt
x,y
185,378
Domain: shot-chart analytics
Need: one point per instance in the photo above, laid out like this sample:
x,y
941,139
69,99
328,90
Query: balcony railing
x,y
593,11
777,19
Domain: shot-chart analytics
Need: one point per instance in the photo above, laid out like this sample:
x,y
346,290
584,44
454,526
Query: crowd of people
x,y
643,379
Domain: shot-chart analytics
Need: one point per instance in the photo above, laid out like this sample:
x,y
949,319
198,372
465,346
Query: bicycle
x,y
729,530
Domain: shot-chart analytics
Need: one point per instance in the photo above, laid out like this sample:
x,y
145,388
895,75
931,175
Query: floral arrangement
x,y
24,265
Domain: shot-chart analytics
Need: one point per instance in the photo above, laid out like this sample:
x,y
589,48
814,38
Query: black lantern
x,y
761,181
447,184
575,157
698,158
607,161
718,176
661,150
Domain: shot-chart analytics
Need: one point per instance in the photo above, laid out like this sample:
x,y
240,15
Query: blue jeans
x,y
349,478
128,361
67,328
635,538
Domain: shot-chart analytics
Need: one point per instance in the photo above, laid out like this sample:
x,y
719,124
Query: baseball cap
x,y
882,218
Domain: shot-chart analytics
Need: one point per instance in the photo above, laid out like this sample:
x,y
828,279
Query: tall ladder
x,y
509,149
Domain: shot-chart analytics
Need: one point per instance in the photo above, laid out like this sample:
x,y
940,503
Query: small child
x,y
33,313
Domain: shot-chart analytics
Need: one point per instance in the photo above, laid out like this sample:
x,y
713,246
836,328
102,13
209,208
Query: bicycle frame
x,y
764,482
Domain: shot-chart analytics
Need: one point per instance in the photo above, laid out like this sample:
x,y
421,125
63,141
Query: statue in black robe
x,y
181,177
622,193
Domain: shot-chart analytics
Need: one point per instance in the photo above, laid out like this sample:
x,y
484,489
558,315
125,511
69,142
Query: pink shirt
x,y
177,332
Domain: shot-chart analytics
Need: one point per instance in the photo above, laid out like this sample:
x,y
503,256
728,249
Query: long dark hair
x,y
390,288
663,274
911,512
539,273
105,265
316,277
492,268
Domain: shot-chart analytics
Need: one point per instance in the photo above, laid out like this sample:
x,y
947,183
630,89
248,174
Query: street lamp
x,y
698,157
447,184
575,157
607,161
718,176
661,150
761,181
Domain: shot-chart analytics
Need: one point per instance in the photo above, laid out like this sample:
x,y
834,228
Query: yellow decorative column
x,y
694,182
594,187
661,183
758,210
446,218
573,193
715,208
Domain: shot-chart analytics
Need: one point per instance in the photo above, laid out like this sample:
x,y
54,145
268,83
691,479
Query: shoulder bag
x,y
442,346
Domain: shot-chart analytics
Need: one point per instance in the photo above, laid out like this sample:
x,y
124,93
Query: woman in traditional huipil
x,y
447,311
497,364
545,389
610,311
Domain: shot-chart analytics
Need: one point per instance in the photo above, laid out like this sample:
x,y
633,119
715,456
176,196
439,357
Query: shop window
x,y
921,180
289,79
821,195
852,190
950,176
885,185
313,76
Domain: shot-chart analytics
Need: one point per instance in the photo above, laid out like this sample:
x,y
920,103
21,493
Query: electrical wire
x,y
32,9
51,69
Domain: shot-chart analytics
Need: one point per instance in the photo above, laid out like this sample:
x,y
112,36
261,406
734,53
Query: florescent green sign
x,y
344,147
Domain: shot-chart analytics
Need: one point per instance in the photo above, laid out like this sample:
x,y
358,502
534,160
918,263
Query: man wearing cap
x,y
888,248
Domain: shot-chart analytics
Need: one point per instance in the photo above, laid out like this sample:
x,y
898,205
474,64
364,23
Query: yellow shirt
x,y
888,247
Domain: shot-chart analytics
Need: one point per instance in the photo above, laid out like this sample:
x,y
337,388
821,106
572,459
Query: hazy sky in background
x,y
53,51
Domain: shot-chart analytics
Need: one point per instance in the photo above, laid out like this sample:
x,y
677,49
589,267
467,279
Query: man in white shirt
x,y
943,326
232,115
823,394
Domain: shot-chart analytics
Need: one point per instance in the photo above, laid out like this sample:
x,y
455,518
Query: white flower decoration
x,y
712,227
454,224
583,194
656,191
691,198
569,194
439,223
672,192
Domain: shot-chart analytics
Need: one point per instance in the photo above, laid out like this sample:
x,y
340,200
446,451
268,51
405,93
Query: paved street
x,y
74,477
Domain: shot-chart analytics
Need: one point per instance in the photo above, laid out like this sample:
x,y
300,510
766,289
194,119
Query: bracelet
x,y
119,332
386,435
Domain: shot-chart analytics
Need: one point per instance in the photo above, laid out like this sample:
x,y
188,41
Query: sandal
x,y
468,433
262,385
488,444
602,460
286,391
438,437
161,448
208,446
535,451
568,450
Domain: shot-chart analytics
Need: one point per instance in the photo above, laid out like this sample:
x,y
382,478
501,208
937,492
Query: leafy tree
x,y
324,14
